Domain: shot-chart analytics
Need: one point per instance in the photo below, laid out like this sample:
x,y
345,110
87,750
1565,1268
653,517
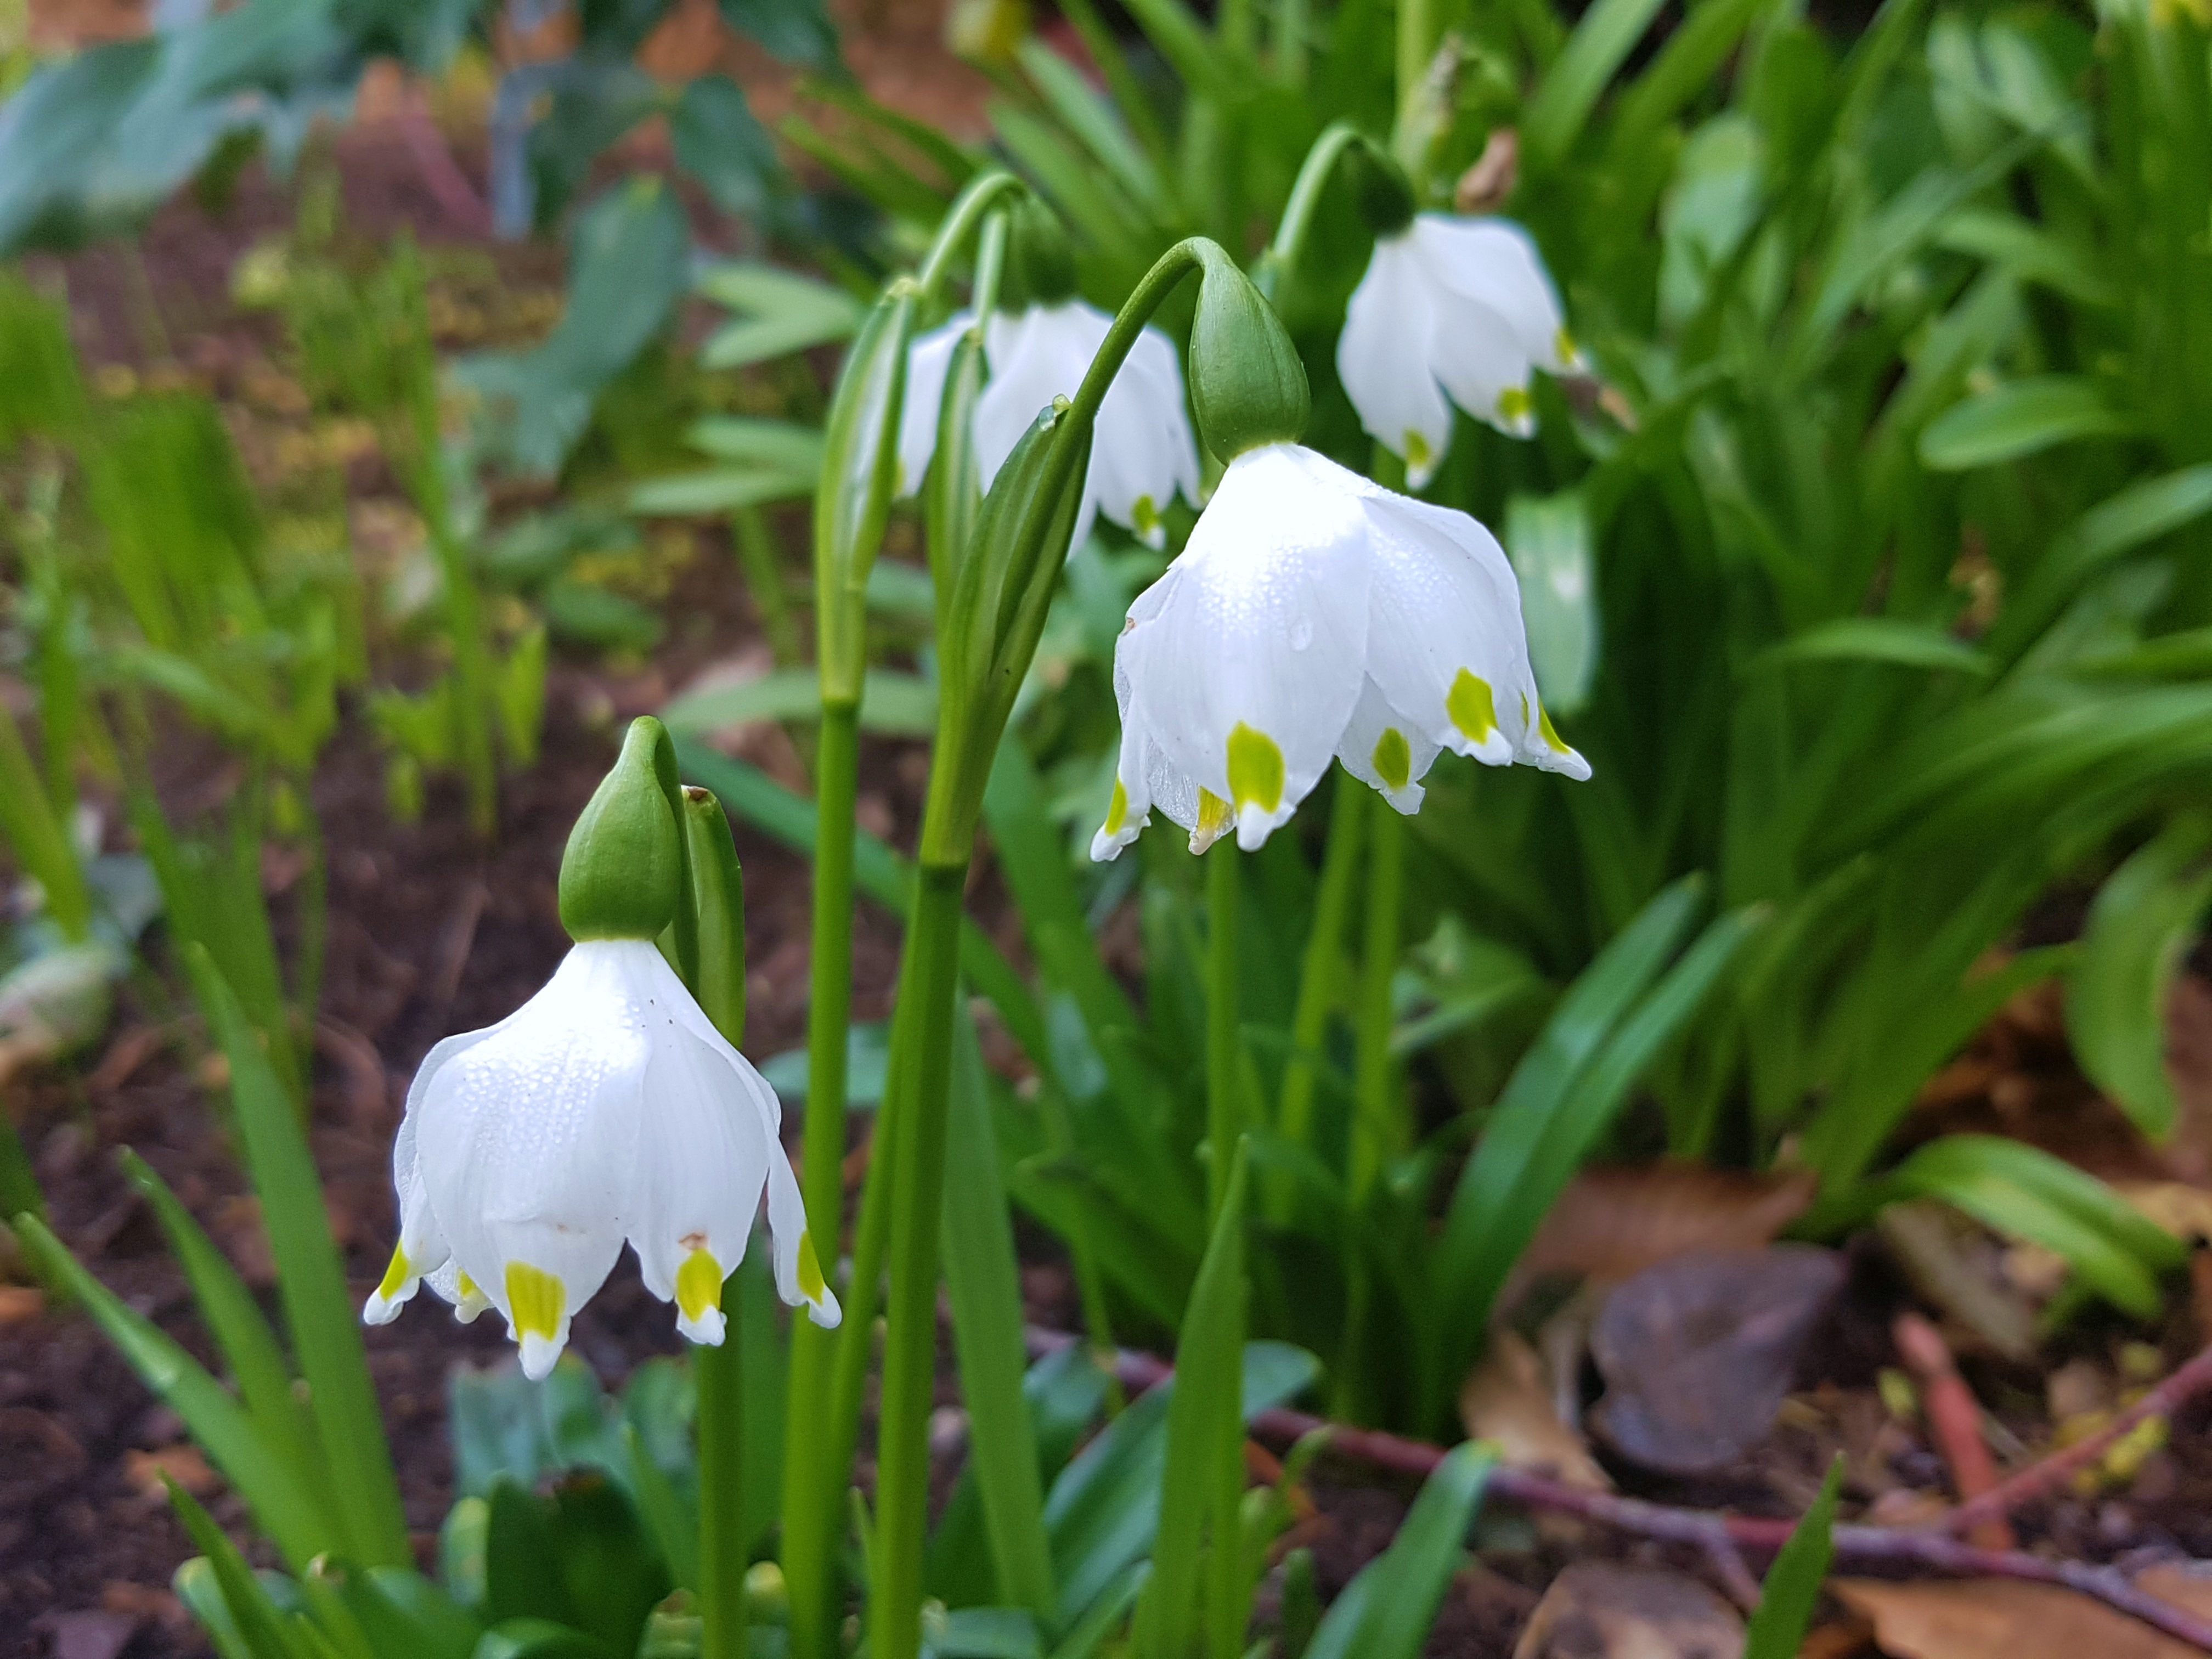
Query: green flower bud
x,y
1380,190
1246,382
1040,263
622,876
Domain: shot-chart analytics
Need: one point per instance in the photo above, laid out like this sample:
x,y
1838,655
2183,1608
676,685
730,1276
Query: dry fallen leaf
x,y
182,1464
2181,1209
1957,1265
1612,1223
2006,1618
1508,1399
1595,1610
19,1303
1699,1353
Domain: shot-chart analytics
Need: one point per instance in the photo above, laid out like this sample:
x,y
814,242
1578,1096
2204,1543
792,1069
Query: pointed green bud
x,y
1040,263
1380,190
1246,382
718,891
622,876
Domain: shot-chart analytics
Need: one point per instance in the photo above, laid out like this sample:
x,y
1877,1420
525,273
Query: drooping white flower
x,y
607,1108
1142,454
1449,306
1312,614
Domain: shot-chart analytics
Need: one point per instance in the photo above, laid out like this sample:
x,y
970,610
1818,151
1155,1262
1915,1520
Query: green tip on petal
x,y
1515,405
1256,769
812,1285
1471,707
1117,809
534,1300
1544,729
1394,758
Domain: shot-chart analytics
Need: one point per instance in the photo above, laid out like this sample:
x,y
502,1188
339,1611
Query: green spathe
x,y
1246,383
1040,264
622,876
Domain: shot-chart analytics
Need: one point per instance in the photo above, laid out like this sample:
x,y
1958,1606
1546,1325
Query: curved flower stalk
x,y
1315,614
607,1108
1451,307
1142,454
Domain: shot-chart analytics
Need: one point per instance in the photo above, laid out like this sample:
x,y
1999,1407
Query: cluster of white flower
x,y
1313,614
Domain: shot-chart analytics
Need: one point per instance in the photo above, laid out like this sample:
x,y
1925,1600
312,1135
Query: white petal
x,y
1384,358
1386,749
1496,262
527,1142
799,1273
1034,357
1481,364
702,1161
422,1249
928,361
1245,671
1143,453
1445,641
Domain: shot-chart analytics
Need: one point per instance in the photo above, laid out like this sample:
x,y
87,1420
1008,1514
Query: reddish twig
x,y
2039,1477
1702,1530
457,199
1954,1422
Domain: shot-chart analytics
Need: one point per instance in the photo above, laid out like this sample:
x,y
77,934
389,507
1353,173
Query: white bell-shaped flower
x,y
605,1108
1449,306
1314,613
1142,452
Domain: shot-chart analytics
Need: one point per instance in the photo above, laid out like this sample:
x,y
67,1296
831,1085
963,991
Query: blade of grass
x,y
1792,1589
285,1506
248,1346
318,1306
1202,1416
1385,1612
982,1278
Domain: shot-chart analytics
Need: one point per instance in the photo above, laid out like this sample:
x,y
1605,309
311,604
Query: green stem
x,y
1318,976
314,912
1223,1119
910,1339
813,1478
966,212
1376,1130
763,570
723,1545
1272,274
1416,42
1374,1126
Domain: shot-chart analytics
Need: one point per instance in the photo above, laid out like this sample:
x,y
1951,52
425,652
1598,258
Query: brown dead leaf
x,y
1612,1223
181,1464
2181,1209
1508,1399
1697,1353
2189,1066
1484,187
2005,1619
1959,1265
1595,1610
19,1303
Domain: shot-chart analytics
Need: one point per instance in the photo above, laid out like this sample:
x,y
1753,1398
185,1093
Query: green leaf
x,y
786,312
286,1506
1792,1590
1561,106
52,129
2030,253
1548,539
719,142
614,1574
2021,418
796,31
2142,920
893,703
983,1279
1104,1508
772,446
263,1629
325,1328
2024,1193
234,1319
1203,1427
628,264
1877,639
1385,1612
